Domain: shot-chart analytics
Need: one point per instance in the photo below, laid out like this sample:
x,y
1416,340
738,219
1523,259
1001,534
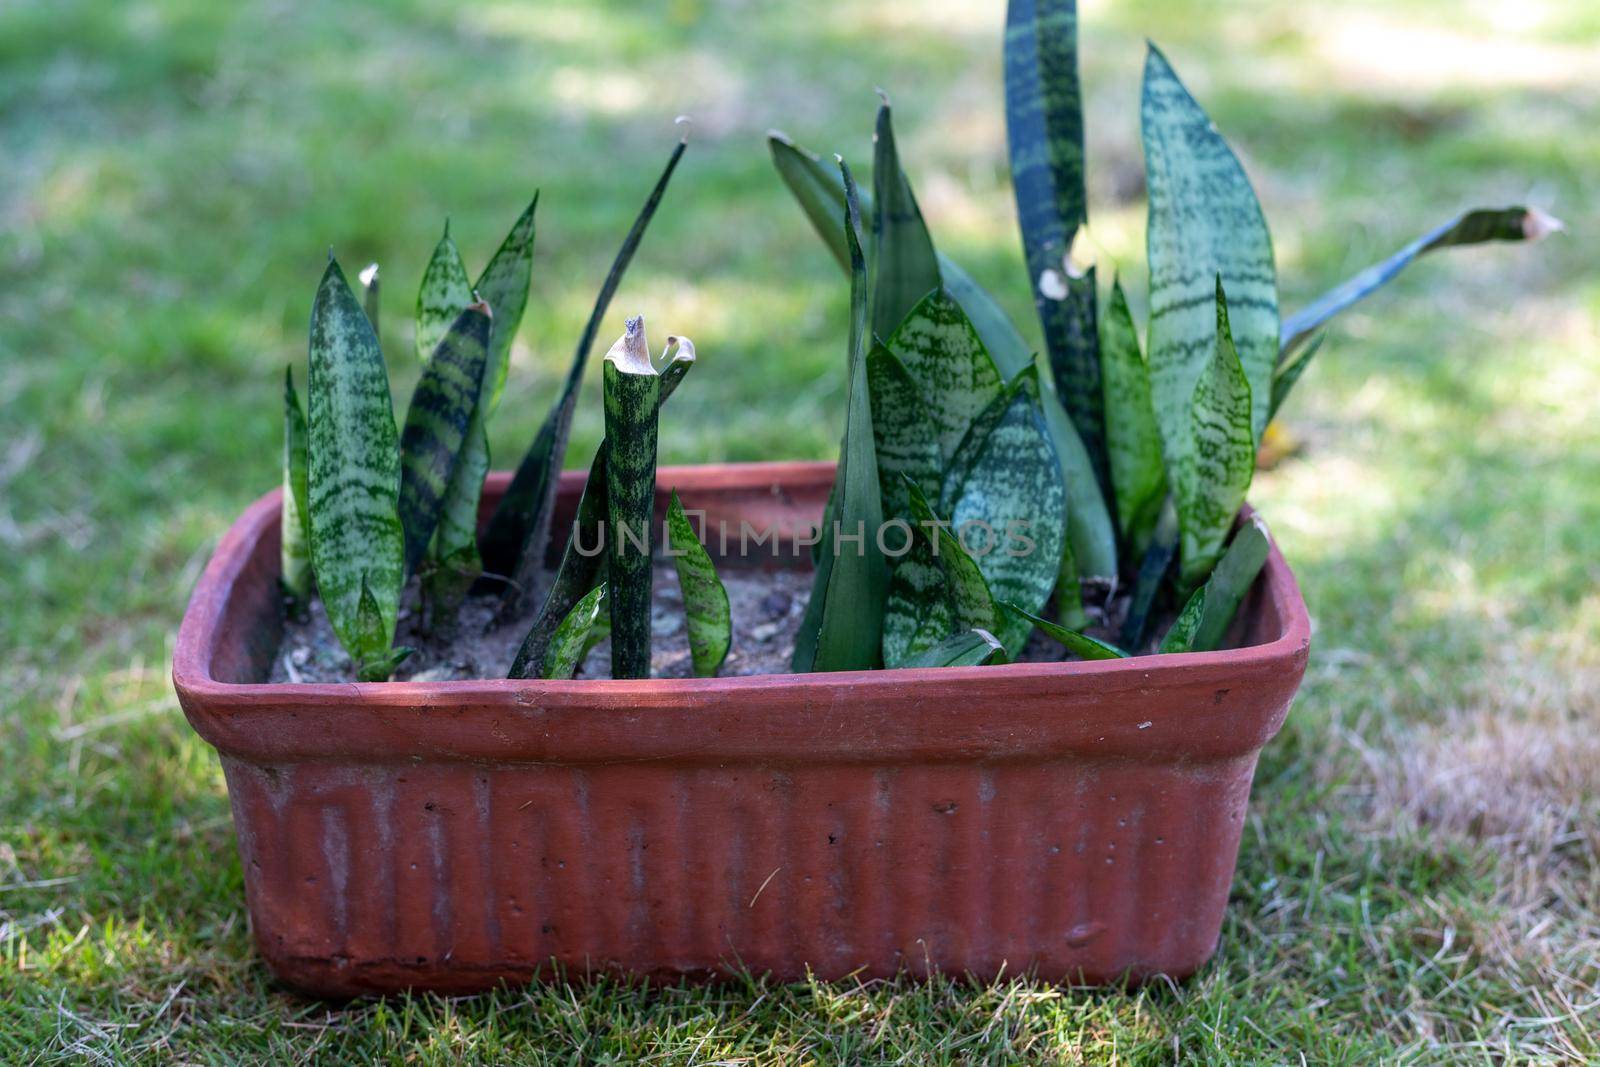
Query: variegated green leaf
x,y
632,401
504,284
1469,228
1220,458
1044,130
514,542
454,564
820,194
904,267
444,292
705,601
907,441
1204,221
936,588
1069,586
436,425
576,635
582,568
583,559
1089,524
371,291
843,623
945,358
1153,567
1132,438
1007,504
1286,374
1205,619
295,550
1081,645
974,648
353,478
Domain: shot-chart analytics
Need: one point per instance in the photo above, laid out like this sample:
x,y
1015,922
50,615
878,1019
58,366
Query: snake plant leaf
x,y
1153,567
843,624
1089,523
1132,439
1079,644
936,588
504,284
444,292
583,560
371,290
1469,228
632,391
820,194
1069,587
1286,374
705,601
1007,499
904,267
436,425
1204,220
576,635
906,438
1044,132
353,477
973,648
582,568
514,542
1204,621
945,358
295,549
1220,458
453,561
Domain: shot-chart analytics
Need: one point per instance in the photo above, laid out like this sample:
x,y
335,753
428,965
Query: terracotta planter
x,y
1078,819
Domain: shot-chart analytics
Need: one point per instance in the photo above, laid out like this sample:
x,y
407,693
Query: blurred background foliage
x,y
1419,877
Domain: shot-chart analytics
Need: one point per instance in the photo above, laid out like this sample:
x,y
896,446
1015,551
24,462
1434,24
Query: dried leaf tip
x,y
883,94
480,305
1537,225
679,349
775,134
631,353
369,274
686,124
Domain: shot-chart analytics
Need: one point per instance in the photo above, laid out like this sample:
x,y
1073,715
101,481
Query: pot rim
x,y
198,634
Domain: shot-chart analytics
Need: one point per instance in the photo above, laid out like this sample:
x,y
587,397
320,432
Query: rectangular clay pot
x,y
1080,820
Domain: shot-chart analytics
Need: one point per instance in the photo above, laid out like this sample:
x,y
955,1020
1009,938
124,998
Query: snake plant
x,y
368,506
1126,466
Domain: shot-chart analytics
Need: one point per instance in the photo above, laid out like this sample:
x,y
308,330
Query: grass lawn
x,y
1419,878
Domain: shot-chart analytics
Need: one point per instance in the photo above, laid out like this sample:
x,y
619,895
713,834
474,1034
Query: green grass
x,y
1418,880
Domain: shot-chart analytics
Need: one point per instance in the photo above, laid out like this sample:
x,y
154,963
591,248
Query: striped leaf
x,y
1204,621
944,356
353,478
436,425
906,440
1081,645
370,293
453,562
904,267
1044,131
295,550
936,589
1204,221
843,624
1152,574
1089,524
1132,439
444,293
820,193
1220,458
583,560
705,601
1069,586
974,648
1469,228
632,391
514,542
504,285
580,630
582,568
1007,504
